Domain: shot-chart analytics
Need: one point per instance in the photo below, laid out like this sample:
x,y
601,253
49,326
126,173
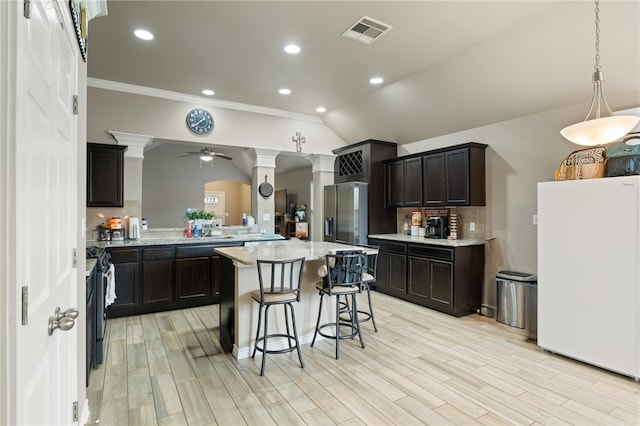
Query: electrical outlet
x,y
472,226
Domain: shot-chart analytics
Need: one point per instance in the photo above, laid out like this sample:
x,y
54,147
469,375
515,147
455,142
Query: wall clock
x,y
200,121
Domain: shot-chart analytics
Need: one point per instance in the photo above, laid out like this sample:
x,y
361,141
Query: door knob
x,y
69,313
62,320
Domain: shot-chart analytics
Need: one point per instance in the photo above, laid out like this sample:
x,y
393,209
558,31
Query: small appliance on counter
x,y
437,227
117,231
134,228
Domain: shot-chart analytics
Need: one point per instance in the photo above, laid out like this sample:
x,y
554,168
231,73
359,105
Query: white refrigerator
x,y
589,271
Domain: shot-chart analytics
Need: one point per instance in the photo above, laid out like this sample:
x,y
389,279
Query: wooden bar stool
x,y
344,278
279,285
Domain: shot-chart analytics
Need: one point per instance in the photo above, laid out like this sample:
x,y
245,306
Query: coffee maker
x,y
437,227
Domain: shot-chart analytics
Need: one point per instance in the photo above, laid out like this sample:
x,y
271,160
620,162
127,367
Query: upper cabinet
x,y
105,171
453,176
404,182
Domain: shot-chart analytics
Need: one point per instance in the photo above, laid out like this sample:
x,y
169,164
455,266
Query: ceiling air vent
x,y
366,30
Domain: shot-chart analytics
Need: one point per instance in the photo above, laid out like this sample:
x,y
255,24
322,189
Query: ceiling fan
x,y
206,154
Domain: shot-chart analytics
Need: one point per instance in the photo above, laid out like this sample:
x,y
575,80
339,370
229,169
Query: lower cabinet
x,y
157,276
391,274
161,278
447,279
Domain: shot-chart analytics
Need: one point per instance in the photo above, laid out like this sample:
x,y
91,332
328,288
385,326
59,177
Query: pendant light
x,y
597,129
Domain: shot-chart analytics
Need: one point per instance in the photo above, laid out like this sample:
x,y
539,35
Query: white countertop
x,y
282,250
422,240
181,240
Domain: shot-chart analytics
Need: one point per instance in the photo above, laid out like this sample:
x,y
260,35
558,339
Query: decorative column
x,y
133,157
322,169
262,208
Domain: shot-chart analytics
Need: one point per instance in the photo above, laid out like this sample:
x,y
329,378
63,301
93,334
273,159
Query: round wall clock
x,y
200,121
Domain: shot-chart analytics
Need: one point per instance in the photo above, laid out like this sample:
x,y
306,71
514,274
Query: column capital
x,y
134,142
263,157
322,162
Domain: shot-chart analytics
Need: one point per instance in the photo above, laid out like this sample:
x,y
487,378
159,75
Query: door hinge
x,y
27,9
75,411
74,258
25,305
75,104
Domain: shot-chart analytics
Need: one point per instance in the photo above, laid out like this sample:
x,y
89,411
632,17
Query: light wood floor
x,y
422,367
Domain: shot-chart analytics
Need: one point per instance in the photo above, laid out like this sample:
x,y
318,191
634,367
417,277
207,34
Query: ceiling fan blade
x,y
221,155
190,154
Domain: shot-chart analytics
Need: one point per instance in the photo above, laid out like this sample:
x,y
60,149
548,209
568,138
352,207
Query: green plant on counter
x,y
193,214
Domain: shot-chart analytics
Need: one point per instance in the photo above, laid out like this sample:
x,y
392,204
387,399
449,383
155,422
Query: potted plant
x,y
301,212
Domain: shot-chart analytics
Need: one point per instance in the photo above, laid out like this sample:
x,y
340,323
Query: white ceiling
x,y
448,65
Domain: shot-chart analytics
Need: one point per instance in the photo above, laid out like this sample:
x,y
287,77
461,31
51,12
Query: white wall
x,y
164,118
171,184
296,182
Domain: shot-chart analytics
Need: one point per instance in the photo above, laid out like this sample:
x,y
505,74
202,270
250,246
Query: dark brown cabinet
x,y
161,278
465,176
157,276
197,274
447,279
434,185
453,176
127,278
105,175
391,273
404,183
395,183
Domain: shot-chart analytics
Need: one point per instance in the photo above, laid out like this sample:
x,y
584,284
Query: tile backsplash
x,y
466,216
98,215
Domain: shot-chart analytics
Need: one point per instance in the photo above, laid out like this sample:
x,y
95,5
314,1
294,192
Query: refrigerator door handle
x,y
328,226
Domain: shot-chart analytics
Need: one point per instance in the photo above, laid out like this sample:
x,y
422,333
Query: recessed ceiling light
x,y
292,48
143,34
321,109
284,91
208,92
376,80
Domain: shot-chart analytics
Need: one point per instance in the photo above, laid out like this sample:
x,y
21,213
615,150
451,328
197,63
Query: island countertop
x,y
217,240
282,250
239,312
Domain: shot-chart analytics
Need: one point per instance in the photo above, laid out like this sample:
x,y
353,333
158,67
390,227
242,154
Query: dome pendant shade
x,y
599,131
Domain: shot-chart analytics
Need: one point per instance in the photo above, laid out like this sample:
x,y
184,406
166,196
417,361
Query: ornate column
x,y
133,157
262,208
322,169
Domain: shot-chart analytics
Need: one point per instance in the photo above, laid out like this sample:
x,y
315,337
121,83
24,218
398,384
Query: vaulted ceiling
x,y
447,65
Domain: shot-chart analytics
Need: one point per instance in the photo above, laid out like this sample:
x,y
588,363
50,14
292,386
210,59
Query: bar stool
x,y
368,278
344,278
279,285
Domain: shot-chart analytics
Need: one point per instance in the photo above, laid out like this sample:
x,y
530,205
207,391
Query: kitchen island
x,y
238,311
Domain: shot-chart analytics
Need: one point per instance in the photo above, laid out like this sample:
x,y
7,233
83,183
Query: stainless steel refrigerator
x,y
346,213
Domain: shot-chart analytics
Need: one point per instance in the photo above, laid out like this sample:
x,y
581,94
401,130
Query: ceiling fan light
x,y
600,131
206,157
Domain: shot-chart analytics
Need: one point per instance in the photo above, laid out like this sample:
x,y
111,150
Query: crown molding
x,y
182,97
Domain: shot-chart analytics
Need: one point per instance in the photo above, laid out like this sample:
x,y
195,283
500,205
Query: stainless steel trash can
x,y
517,297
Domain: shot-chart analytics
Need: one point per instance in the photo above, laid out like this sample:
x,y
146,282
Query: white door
x,y
214,202
46,382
